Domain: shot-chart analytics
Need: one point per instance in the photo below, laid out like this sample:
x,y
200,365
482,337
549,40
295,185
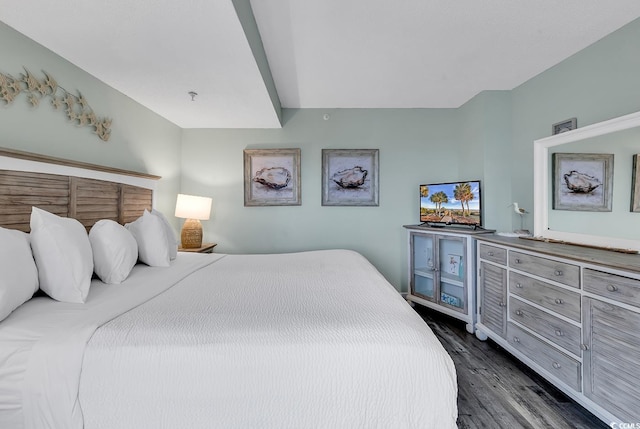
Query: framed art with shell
x,y
350,177
582,181
635,185
272,177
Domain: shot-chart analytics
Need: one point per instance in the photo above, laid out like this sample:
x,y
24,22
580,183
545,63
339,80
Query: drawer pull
x,y
518,285
556,365
612,288
490,253
558,272
519,312
584,347
517,261
516,339
559,333
559,301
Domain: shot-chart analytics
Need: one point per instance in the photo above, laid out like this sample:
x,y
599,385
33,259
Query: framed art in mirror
x,y
582,181
635,186
620,136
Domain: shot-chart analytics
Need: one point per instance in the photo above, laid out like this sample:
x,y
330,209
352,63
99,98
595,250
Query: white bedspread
x,y
306,340
42,345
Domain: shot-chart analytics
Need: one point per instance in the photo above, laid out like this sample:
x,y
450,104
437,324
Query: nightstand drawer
x,y
493,254
554,329
553,361
557,299
623,289
560,272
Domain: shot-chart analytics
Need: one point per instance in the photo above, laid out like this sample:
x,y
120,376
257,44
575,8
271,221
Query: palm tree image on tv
x,y
463,193
451,203
439,198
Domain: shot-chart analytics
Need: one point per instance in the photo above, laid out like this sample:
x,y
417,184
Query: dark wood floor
x,y
495,390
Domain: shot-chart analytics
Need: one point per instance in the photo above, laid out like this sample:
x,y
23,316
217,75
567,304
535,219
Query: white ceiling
x,y
321,54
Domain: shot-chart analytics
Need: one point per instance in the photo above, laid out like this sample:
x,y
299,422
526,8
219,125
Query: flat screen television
x,y
451,203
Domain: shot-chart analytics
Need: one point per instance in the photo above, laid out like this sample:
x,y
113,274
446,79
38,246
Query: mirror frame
x,y
542,179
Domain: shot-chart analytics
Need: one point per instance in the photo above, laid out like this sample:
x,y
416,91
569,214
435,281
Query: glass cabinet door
x,y
452,260
423,271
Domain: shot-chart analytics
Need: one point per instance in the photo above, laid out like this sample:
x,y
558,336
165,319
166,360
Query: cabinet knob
x,y
558,272
516,339
584,347
559,333
517,261
556,365
518,285
559,301
502,304
612,288
519,312
490,253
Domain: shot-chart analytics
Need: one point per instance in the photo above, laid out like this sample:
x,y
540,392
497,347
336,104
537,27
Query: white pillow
x,y
115,251
153,247
63,256
171,235
19,278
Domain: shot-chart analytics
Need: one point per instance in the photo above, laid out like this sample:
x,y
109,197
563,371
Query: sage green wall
x,y
490,137
140,139
598,83
485,153
416,146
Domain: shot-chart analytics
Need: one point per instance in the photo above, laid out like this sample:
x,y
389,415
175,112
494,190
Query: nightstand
x,y
205,248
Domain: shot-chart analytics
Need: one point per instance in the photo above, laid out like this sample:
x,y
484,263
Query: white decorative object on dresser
x,y
571,313
441,270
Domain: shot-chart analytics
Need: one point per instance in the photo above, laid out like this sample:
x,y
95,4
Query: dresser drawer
x,y
557,299
553,361
554,329
493,254
560,272
622,289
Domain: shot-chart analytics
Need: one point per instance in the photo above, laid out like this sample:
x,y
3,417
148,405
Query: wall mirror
x,y
617,228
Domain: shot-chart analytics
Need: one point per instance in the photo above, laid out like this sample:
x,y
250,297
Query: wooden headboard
x,y
82,198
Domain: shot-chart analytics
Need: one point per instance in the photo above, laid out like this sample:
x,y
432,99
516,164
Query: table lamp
x,y
193,209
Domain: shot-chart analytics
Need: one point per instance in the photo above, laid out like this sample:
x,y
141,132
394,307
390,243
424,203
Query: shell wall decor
x,y
75,107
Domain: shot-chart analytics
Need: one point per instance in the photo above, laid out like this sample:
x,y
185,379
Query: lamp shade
x,y
193,207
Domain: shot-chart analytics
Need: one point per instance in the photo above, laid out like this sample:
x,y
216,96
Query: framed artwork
x,y
582,181
564,126
350,177
272,177
635,186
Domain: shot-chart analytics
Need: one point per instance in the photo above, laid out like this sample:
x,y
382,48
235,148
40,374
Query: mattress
x,y
304,340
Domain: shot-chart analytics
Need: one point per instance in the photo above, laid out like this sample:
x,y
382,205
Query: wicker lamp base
x,y
191,235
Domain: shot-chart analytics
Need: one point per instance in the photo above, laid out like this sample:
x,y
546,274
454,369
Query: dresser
x,y
571,313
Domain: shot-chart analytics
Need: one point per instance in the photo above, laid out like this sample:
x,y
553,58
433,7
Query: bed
x,y
315,339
